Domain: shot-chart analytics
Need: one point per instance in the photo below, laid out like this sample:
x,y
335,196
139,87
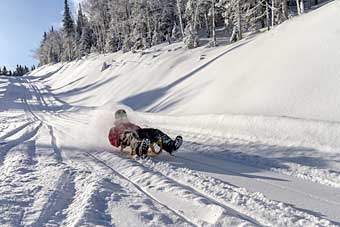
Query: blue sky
x,y
22,24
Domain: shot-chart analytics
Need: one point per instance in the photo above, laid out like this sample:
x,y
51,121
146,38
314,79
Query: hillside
x,y
290,73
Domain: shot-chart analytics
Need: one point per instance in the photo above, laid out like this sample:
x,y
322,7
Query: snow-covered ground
x,y
259,118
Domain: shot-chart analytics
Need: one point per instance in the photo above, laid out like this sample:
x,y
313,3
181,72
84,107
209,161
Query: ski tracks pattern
x,y
254,209
43,183
105,196
196,208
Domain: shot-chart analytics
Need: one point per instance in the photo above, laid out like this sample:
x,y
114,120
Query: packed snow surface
x,y
260,122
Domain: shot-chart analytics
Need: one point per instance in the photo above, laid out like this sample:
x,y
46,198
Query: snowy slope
x,y
260,123
290,71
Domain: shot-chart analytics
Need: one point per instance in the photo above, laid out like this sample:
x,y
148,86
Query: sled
x,y
154,150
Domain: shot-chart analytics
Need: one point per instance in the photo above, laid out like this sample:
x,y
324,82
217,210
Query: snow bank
x,y
272,130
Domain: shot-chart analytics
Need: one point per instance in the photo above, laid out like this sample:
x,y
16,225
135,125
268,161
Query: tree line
x,y
106,26
19,71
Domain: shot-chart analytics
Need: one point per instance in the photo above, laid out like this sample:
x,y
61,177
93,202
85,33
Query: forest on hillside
x,y
106,26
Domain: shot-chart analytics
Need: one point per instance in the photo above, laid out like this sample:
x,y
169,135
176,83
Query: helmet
x,y
120,115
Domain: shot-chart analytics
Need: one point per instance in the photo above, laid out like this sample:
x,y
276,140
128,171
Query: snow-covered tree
x,y
157,38
83,34
244,15
175,32
4,71
80,22
99,17
126,44
69,42
167,17
51,47
191,39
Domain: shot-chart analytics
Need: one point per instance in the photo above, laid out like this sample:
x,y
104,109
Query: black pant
x,y
154,135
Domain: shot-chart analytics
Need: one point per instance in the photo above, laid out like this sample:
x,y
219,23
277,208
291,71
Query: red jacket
x,y
119,128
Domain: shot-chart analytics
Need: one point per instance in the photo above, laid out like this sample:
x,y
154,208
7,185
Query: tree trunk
x,y
285,9
273,13
195,16
180,17
149,33
213,22
239,19
302,7
207,24
298,7
267,15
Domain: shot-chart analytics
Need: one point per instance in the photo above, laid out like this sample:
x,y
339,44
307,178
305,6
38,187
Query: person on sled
x,y
124,133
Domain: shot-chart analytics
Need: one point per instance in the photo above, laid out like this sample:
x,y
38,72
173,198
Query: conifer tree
x,y
4,71
83,37
68,24
80,22
86,41
69,34
45,36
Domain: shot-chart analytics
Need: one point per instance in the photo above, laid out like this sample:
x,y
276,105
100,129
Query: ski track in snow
x,y
229,159
208,210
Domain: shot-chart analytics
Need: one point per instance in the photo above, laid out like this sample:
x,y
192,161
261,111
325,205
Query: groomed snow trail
x,y
47,181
